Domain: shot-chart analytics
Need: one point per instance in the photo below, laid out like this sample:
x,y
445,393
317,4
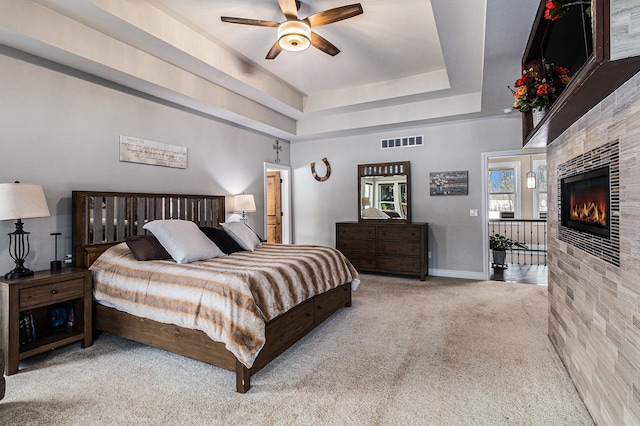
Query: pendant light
x,y
531,176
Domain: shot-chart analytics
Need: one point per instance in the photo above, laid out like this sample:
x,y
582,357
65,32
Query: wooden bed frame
x,y
103,219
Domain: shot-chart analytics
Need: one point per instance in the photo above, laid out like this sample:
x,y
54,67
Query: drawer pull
x,y
54,291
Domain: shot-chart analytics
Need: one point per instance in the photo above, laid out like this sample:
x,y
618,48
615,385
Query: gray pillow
x,y
183,240
244,236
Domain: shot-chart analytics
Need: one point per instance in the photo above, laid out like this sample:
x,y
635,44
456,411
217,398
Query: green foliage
x,y
502,243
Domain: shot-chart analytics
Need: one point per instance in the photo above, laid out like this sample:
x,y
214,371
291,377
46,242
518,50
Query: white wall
x,y
62,132
455,238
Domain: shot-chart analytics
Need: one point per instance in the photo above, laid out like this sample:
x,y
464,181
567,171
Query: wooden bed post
x,y
243,378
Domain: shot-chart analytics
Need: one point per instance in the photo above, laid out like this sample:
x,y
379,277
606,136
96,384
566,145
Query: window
x,y
503,189
540,194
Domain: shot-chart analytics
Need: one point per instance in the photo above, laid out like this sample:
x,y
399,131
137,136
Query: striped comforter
x,y
229,298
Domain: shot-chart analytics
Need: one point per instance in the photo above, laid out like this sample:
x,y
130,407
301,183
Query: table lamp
x,y
244,203
21,201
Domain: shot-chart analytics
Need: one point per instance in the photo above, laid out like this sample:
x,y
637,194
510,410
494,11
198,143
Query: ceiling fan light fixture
x,y
294,36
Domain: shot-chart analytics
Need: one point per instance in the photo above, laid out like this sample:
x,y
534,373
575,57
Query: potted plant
x,y
499,244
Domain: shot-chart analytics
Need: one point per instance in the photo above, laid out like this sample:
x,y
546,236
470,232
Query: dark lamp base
x,y
18,273
56,265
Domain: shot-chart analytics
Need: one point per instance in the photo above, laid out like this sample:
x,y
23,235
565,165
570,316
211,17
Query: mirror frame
x,y
380,170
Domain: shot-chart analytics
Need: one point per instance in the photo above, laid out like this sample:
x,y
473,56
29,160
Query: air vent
x,y
403,142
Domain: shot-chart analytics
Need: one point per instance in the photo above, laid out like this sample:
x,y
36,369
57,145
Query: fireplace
x,y
586,204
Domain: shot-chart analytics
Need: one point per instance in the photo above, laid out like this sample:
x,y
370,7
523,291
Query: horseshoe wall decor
x,y
326,176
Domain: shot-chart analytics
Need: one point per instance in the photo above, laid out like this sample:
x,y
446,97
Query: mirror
x,y
384,191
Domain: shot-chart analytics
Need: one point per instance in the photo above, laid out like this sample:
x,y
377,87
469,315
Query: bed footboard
x,y
281,333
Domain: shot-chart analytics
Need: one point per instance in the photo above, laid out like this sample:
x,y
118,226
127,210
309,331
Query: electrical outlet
x,y
429,255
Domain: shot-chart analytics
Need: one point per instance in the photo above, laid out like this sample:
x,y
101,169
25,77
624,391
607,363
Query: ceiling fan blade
x,y
323,44
289,8
275,51
334,15
245,21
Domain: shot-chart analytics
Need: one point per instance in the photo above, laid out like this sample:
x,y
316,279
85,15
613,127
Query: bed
x,y
103,220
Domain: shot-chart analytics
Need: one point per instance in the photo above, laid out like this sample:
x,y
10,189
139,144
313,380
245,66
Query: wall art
x,y
449,183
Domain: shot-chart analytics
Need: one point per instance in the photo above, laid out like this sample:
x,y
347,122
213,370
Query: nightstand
x,y
43,312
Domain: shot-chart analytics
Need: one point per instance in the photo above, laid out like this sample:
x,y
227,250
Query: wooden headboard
x,y
103,219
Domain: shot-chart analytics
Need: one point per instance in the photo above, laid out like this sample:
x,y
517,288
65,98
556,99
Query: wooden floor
x,y
523,274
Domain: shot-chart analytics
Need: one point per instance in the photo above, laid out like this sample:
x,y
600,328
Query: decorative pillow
x,y
147,247
183,240
242,234
223,240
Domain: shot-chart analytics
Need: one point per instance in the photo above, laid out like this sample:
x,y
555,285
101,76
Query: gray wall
x,y
62,131
455,238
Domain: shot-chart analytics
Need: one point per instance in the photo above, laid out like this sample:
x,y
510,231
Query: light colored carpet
x,y
440,352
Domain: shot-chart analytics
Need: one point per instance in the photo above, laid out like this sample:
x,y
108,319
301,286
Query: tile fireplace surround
x,y
607,249
594,304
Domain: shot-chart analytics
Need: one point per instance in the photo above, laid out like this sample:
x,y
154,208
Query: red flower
x,y
550,5
561,71
521,81
544,89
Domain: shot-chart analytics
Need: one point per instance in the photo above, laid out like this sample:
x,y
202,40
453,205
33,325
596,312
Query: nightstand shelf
x,y
69,288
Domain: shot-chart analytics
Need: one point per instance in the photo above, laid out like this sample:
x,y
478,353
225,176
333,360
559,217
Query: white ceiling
x,y
403,63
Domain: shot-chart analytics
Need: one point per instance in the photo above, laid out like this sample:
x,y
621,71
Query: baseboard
x,y
469,275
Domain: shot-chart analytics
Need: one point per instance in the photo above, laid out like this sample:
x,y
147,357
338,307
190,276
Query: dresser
x,y
393,248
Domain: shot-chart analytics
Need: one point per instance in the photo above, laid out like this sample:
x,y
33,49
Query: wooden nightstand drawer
x,y
47,294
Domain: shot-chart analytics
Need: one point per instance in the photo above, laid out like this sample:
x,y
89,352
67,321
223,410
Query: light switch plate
x,y
473,212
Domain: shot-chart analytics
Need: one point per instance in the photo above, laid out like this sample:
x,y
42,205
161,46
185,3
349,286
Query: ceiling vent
x,y
404,142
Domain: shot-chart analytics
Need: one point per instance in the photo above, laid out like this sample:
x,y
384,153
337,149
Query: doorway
x,y
514,205
277,203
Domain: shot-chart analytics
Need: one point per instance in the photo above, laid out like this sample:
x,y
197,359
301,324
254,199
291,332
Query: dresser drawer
x,y
362,261
356,246
394,232
356,232
51,293
392,247
399,264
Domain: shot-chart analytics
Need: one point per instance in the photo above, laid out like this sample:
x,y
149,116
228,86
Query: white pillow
x,y
242,234
183,240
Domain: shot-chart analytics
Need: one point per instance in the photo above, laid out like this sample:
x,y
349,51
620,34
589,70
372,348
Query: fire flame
x,y
589,213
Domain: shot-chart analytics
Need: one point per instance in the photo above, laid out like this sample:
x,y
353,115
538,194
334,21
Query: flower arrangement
x,y
533,91
555,9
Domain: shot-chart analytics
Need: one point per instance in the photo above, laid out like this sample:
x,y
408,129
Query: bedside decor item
x,y
21,201
538,89
57,316
244,203
56,264
321,178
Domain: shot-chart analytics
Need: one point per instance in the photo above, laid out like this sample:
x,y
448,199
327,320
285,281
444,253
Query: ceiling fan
x,y
295,34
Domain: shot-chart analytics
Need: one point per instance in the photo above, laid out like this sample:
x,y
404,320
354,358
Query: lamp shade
x,y
244,203
22,201
294,36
